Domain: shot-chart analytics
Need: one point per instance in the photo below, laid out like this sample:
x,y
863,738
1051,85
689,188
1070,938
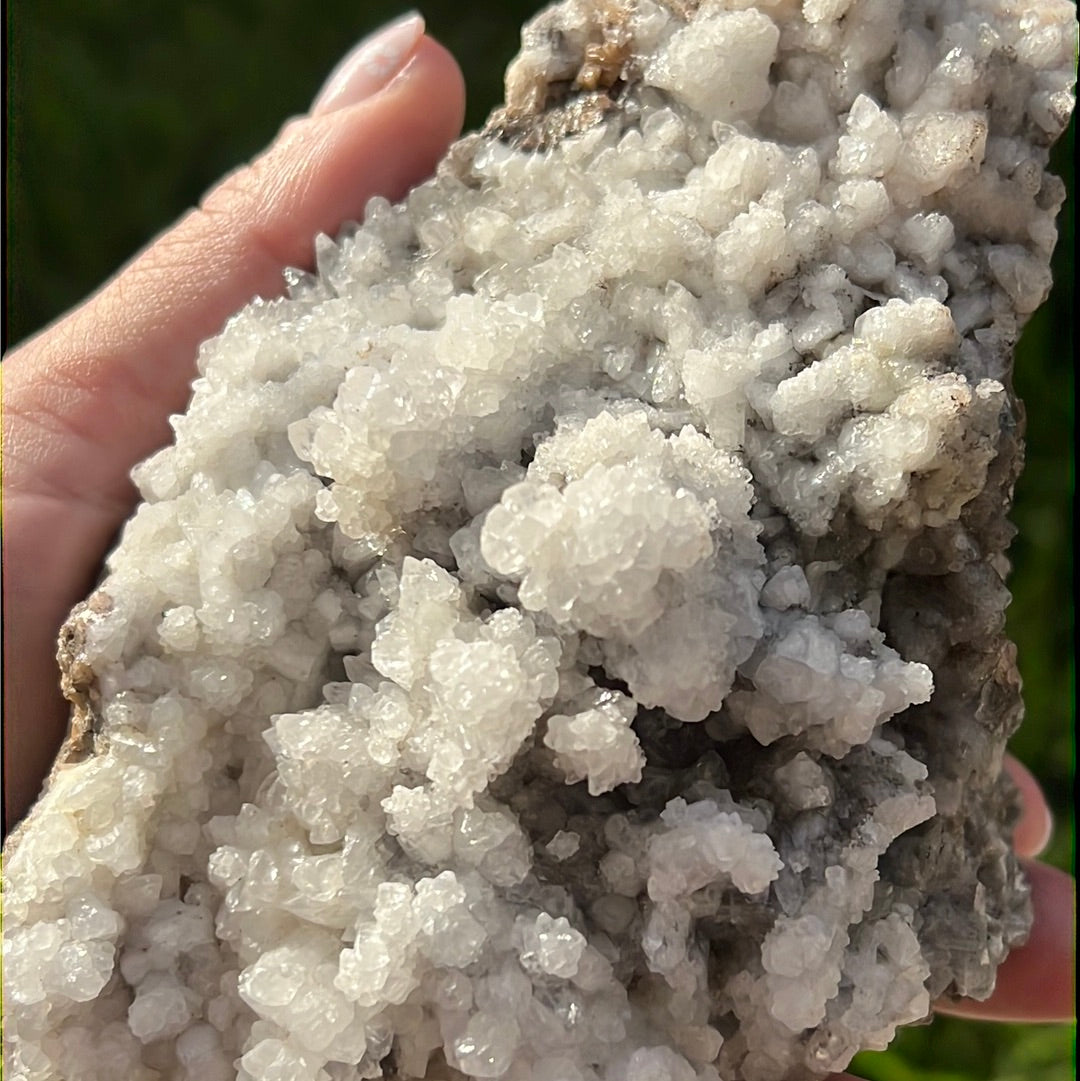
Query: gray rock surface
x,y
565,640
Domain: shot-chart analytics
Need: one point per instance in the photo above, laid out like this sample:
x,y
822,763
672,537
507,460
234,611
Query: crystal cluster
x,y
564,641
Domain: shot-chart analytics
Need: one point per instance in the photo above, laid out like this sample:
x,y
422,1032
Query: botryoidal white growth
x,y
564,642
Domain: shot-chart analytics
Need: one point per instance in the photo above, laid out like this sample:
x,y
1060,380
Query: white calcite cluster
x,y
564,642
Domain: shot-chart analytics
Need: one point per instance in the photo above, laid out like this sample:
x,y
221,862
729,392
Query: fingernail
x,y
371,64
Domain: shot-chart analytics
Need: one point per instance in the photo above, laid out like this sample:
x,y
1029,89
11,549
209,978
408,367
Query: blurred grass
x,y
120,114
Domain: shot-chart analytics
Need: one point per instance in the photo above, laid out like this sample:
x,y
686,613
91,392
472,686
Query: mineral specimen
x,y
565,639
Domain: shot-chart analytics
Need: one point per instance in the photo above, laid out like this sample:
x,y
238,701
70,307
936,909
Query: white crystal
x,y
508,669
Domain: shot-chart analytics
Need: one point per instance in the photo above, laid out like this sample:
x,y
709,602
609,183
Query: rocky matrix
x,y
564,642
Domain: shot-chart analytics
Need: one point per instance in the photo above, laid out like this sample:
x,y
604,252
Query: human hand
x,y
90,396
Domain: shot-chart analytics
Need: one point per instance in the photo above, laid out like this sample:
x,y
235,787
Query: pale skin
x,y
89,396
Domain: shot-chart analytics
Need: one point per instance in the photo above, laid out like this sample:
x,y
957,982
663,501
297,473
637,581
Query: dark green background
x,y
121,113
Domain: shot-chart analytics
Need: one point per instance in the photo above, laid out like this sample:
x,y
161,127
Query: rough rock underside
x,y
564,642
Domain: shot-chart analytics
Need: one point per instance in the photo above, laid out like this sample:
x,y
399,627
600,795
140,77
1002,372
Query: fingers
x,y
1032,833
90,396
1036,981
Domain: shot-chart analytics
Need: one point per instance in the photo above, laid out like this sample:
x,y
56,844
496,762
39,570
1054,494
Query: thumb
x,y
110,372
89,396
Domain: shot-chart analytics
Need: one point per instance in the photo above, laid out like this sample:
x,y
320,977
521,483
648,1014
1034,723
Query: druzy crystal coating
x,y
565,639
